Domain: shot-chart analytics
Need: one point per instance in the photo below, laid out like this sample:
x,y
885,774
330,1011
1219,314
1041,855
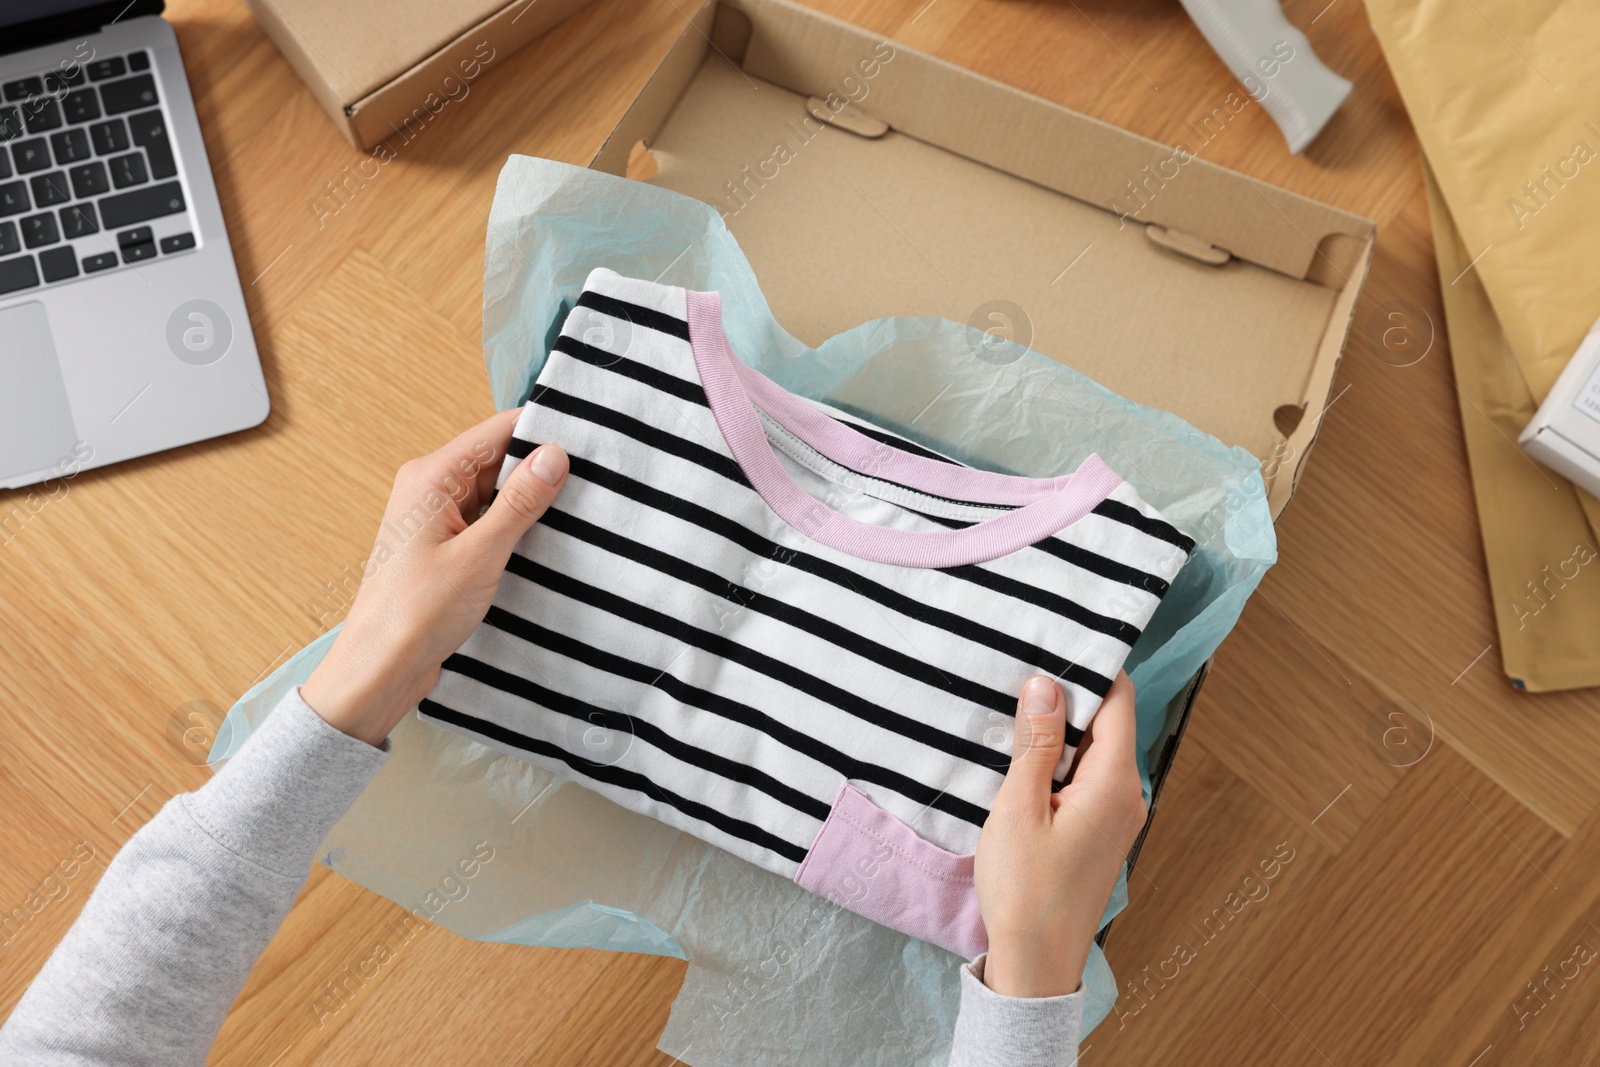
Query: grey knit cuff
x,y
999,1031
278,797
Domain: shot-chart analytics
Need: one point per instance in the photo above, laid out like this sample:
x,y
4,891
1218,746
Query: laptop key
x,y
78,221
101,69
177,243
109,137
128,170
58,264
50,189
141,205
138,60
10,123
103,261
23,88
135,253
139,235
41,114
40,230
70,146
149,131
89,180
30,156
5,163
17,274
10,243
14,198
81,106
57,81
129,94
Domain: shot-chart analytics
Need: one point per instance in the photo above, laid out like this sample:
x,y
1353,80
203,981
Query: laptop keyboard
x,y
84,152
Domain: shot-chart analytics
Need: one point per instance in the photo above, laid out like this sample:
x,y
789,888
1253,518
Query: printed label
x,y
1588,398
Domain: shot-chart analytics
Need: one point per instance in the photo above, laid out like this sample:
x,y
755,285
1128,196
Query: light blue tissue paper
x,y
776,975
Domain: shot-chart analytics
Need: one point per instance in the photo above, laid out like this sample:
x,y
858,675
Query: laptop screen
x,y
16,12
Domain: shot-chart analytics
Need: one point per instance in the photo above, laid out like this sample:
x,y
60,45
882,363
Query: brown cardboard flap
x,y
660,94
985,205
373,64
356,48
417,92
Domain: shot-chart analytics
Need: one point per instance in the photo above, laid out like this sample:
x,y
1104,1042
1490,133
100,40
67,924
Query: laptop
x,y
122,321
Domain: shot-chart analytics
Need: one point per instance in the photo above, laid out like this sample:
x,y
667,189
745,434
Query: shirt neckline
x,y
1042,506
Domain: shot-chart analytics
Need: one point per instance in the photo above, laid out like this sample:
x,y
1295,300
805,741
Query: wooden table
x,y
1418,900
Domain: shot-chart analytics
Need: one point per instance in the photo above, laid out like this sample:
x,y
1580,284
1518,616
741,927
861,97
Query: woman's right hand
x,y
1047,862
431,576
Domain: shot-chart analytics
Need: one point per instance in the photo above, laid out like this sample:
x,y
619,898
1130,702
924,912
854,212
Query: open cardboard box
x,y
386,67
864,179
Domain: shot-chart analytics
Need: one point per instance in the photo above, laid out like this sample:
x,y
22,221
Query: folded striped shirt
x,y
783,629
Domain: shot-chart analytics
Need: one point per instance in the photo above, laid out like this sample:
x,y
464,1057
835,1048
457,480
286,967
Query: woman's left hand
x,y
1048,861
432,574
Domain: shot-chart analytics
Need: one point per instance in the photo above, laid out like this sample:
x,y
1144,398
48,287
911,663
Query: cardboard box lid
x,y
983,204
355,47
376,66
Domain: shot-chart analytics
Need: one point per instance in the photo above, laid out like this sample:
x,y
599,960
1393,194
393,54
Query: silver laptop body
x,y
122,320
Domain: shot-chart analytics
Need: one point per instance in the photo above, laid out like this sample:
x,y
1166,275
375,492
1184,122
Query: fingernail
x,y
1038,697
548,463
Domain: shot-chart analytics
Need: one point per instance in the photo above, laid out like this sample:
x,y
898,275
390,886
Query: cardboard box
x,y
946,193
1564,433
379,67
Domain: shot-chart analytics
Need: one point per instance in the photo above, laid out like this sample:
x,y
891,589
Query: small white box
x,y
1565,432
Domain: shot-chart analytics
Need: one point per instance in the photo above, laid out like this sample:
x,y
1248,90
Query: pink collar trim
x,y
1044,506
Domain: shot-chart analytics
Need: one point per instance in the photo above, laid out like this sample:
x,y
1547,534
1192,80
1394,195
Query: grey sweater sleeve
x,y
163,946
997,1031
148,971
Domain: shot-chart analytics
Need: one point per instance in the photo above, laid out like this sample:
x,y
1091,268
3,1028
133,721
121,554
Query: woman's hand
x,y
431,577
1047,862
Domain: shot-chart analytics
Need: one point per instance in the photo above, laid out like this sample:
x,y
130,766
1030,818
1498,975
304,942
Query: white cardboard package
x,y
1565,432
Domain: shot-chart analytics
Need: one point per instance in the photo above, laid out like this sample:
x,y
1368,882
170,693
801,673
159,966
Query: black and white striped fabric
x,y
669,638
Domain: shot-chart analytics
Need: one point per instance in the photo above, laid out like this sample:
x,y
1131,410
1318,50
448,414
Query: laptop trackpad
x,y
36,429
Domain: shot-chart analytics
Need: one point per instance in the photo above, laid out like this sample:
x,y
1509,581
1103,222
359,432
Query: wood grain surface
x,y
1417,902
